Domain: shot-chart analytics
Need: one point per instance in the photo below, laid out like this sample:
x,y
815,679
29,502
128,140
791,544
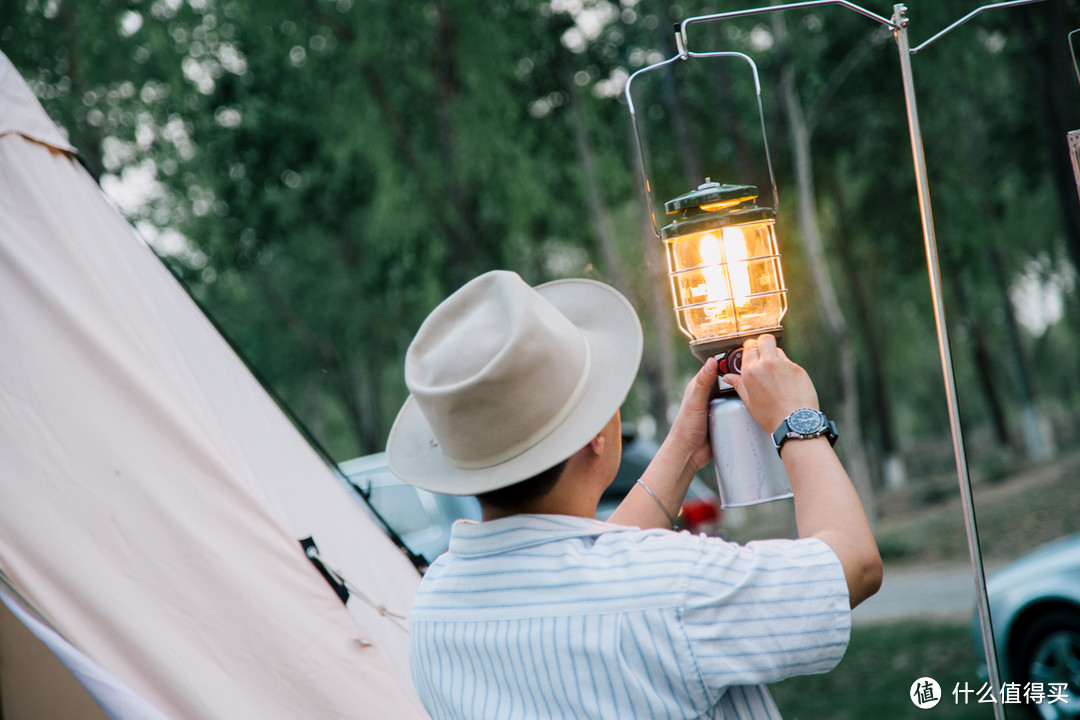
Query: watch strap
x,y
784,432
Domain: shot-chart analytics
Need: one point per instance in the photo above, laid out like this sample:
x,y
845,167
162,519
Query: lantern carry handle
x,y
685,54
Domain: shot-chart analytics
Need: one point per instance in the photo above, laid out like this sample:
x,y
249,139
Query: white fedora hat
x,y
507,381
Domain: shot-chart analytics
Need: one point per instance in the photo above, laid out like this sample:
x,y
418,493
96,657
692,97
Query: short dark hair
x,y
521,496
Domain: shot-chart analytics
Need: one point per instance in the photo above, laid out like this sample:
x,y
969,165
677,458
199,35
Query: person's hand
x,y
826,504
691,427
684,451
771,386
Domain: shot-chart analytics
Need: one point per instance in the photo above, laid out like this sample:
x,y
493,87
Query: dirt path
x,y
1015,515
928,591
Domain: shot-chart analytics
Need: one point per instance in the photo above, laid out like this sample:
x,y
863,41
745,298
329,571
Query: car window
x,y
401,506
636,456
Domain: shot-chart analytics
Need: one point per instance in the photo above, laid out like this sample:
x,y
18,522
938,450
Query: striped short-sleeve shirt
x,y
550,616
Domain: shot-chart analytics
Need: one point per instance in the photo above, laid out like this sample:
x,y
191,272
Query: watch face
x,y
806,422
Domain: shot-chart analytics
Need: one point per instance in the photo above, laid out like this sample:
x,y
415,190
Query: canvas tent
x,y
152,494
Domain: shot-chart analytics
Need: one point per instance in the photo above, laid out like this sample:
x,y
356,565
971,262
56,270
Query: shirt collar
x,y
508,534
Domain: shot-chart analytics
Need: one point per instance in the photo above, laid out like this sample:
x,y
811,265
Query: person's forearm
x,y
668,476
827,507
683,453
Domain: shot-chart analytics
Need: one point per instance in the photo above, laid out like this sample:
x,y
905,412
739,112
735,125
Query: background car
x,y
1035,611
423,519
700,510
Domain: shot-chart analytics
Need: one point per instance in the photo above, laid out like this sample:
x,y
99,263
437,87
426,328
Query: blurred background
x,y
320,173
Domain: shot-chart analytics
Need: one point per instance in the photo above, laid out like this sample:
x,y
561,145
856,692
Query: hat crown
x,y
494,369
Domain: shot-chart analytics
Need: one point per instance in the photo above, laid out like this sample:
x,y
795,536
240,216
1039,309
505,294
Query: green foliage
x,y
1016,513
877,672
335,167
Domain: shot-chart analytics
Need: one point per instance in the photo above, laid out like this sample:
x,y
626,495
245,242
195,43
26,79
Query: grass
x,y
1015,512
1014,515
875,676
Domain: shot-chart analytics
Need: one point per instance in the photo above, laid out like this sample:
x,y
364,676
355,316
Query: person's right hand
x,y
771,386
826,504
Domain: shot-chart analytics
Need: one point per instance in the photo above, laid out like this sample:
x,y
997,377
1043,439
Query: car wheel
x,y
1049,652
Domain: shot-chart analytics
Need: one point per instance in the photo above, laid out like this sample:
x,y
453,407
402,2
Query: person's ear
x,y
597,444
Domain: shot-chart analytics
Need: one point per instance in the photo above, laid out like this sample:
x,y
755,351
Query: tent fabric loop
x,y
311,550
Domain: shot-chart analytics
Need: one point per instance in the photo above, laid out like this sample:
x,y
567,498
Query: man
x,y
541,611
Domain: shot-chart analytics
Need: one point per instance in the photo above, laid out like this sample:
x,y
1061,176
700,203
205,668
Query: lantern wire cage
x,y
724,267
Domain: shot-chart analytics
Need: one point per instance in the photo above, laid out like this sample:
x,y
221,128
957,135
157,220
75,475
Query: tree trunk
x,y
691,160
313,406
444,68
89,144
366,394
892,464
725,103
325,354
853,451
1038,442
658,364
599,216
987,365
1055,84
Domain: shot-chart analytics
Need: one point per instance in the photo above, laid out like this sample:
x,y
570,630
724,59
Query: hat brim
x,y
612,330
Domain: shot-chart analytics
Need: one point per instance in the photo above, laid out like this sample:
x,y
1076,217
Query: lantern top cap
x,y
712,196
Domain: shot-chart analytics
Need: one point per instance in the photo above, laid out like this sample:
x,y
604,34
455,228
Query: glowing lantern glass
x,y
724,267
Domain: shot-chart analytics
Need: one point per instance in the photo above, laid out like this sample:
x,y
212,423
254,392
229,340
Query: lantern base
x,y
705,349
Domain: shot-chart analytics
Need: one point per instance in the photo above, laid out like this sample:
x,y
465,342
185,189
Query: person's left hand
x,y
690,431
684,451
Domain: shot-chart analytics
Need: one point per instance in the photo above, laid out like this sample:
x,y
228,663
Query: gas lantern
x,y
727,286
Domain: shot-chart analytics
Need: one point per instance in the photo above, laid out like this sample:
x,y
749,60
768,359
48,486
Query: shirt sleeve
x,y
765,611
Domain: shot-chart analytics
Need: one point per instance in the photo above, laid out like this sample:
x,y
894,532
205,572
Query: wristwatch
x,y
804,424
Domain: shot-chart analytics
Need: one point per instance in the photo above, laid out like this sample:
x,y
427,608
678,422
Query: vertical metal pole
x,y
982,602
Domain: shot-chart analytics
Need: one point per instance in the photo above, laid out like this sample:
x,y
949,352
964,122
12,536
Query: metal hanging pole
x,y
982,601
